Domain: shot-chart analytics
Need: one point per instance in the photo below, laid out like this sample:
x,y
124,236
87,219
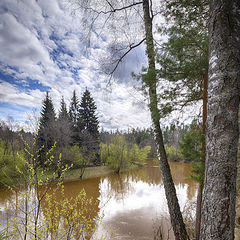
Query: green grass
x,y
74,174
92,172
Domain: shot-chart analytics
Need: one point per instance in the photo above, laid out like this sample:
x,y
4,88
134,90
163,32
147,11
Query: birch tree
x,y
142,13
219,195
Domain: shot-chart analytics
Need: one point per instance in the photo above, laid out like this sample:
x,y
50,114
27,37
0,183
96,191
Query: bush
x,y
119,154
173,153
9,163
72,155
42,210
191,149
137,154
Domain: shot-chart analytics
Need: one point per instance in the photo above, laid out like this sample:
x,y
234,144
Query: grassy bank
x,y
90,172
98,171
74,174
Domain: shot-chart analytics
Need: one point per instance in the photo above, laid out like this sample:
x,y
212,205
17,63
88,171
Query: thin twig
x,y
121,58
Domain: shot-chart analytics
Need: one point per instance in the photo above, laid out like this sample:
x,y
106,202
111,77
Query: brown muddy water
x,y
132,202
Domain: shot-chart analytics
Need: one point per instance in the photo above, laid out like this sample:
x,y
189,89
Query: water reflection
x,y
130,201
138,198
67,203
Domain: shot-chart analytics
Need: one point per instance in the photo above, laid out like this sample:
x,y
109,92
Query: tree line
x,y
76,127
118,149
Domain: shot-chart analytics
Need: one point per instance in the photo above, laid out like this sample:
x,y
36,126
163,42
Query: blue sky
x,y
43,47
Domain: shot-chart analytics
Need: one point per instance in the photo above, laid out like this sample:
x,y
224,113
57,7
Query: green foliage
x,y
138,154
78,127
191,149
190,144
119,154
74,111
89,120
173,133
73,155
173,153
89,127
77,157
183,58
10,161
67,218
104,152
45,135
43,211
63,114
48,113
141,137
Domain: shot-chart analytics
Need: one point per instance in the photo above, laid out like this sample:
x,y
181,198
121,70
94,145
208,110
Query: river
x,y
132,202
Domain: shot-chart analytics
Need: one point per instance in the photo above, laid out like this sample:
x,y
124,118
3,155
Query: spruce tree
x,y
89,125
74,118
63,114
74,109
63,127
88,115
46,135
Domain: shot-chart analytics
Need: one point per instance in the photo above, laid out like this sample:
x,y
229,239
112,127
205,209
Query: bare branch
x,y
151,10
121,58
114,9
110,4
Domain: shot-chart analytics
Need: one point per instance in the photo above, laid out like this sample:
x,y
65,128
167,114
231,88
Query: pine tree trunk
x,y
170,191
218,205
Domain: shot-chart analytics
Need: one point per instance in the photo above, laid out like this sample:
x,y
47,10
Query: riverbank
x,y
74,174
99,171
96,171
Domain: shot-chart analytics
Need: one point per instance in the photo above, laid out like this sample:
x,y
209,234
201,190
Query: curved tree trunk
x,y
150,81
218,205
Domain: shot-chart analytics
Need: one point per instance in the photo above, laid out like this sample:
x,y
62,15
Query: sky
x,y
44,47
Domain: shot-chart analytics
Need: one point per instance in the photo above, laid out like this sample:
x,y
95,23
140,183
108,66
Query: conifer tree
x,y
46,135
63,127
183,58
88,115
63,114
89,125
74,118
73,110
184,64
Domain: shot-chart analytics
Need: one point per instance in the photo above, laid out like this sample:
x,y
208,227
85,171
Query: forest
x,y
196,64
74,136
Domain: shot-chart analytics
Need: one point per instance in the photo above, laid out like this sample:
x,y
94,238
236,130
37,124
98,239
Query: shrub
x,y
9,162
42,210
119,154
173,153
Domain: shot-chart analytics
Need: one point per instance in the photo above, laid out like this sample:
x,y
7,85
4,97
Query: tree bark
x,y
198,212
150,81
219,195
200,187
